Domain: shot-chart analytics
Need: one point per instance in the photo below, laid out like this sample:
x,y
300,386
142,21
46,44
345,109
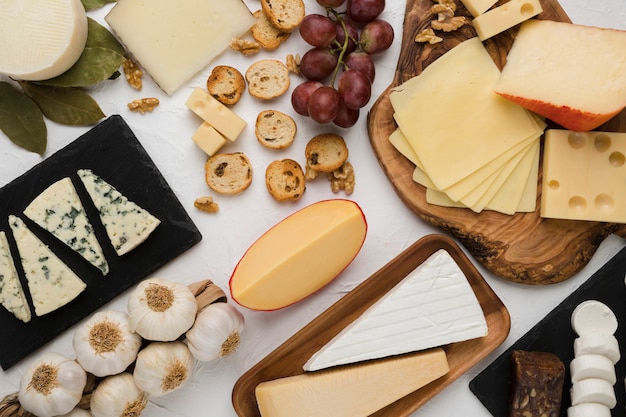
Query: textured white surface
x,y
166,134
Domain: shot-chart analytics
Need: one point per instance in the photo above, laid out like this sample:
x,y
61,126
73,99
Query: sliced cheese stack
x,y
174,40
220,124
432,306
594,190
471,148
592,370
40,39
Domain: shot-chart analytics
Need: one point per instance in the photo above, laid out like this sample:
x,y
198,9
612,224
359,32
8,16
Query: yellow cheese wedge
x,y
504,17
174,40
299,255
40,39
583,176
220,117
353,390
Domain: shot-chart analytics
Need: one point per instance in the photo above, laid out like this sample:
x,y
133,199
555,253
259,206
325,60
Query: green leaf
x,y
68,106
99,36
21,120
95,4
95,64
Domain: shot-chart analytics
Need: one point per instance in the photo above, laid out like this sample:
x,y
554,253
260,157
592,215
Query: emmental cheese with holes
x,y
299,255
351,391
504,17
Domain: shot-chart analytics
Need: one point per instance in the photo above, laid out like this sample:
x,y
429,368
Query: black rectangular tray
x,y
113,152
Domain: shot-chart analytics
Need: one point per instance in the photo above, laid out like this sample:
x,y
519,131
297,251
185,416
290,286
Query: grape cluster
x,y
339,68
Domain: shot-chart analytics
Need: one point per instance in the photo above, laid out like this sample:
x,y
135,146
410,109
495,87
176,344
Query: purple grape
x,y
346,117
353,35
301,94
330,3
361,61
363,11
317,64
323,104
354,88
376,36
317,30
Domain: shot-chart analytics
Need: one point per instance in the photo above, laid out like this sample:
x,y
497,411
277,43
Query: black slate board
x,y
113,152
554,334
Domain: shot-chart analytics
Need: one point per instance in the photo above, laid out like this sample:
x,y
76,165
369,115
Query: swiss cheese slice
x,y
350,391
12,294
433,306
58,210
50,282
126,223
40,39
459,85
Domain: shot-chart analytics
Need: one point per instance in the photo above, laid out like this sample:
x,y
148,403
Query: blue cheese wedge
x,y
126,223
58,210
50,282
432,306
11,292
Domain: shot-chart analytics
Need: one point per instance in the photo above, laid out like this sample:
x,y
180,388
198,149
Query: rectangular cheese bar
x,y
537,384
223,119
174,40
350,391
505,17
208,139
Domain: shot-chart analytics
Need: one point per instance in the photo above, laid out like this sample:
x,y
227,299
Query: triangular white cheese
x,y
11,292
126,224
50,282
59,211
432,306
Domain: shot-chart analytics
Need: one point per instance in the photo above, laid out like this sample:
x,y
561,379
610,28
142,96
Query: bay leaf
x,y
95,4
95,64
68,106
21,120
99,36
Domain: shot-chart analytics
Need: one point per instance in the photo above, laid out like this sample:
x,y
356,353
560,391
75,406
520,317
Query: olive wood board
x,y
554,334
289,358
113,152
524,247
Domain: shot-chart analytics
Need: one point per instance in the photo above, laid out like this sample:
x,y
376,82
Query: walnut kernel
x,y
343,179
133,73
143,105
206,204
428,35
293,63
245,46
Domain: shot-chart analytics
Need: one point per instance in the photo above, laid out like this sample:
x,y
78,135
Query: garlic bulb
x,y
52,385
216,332
161,310
105,345
118,396
163,367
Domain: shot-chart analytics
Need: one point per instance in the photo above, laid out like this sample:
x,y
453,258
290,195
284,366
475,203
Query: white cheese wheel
x,y
40,39
592,366
597,343
593,316
589,410
593,390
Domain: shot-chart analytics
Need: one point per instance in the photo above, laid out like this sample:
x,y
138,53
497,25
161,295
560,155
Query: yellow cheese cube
x,y
505,17
223,119
208,139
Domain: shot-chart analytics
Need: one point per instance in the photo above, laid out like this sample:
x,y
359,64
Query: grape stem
x,y
344,47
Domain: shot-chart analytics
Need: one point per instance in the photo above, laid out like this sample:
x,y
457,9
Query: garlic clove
x,y
163,367
52,385
118,396
105,345
161,310
216,332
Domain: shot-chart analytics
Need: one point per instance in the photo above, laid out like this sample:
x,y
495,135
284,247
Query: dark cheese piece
x,y
537,384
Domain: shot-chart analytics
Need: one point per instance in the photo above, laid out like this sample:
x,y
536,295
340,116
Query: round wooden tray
x,y
523,248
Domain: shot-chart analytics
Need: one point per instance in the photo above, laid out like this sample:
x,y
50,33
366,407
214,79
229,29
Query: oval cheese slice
x,y
299,255
593,390
40,39
597,343
589,410
592,366
593,316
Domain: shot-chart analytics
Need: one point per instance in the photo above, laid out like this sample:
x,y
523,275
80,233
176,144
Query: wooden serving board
x,y
288,358
522,248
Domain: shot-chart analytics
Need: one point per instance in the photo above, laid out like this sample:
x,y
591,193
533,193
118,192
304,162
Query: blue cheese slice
x,y
11,292
432,306
58,210
50,282
126,223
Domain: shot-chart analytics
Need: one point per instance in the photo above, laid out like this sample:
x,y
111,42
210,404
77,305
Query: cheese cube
x,y
223,119
505,17
174,40
478,7
208,139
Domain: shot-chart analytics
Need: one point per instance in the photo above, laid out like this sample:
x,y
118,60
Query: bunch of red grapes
x,y
339,67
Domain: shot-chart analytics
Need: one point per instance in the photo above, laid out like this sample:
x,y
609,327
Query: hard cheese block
x,y
217,115
40,39
433,306
584,176
12,294
50,282
174,40
350,391
505,17
58,209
